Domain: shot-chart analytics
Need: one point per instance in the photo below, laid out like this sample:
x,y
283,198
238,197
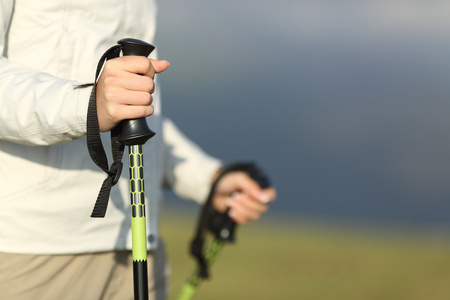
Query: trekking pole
x,y
221,226
134,133
212,251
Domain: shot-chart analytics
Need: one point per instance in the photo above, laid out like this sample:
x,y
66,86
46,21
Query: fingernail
x,y
231,213
228,201
264,198
234,194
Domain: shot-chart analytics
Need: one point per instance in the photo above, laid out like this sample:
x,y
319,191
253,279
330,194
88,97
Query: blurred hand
x,y
246,200
125,88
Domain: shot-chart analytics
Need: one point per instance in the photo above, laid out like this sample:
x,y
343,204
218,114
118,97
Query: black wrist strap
x,y
95,146
211,220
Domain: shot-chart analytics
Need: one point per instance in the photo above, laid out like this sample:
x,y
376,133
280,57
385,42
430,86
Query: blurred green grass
x,y
278,258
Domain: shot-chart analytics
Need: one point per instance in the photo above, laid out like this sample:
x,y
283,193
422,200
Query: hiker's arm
x,y
35,107
187,168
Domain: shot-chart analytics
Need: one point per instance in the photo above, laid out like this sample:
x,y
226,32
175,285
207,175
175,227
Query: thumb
x,y
160,65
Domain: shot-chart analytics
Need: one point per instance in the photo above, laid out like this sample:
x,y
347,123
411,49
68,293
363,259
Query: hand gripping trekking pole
x,y
220,225
134,133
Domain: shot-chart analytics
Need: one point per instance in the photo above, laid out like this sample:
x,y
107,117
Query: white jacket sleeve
x,y
37,108
188,169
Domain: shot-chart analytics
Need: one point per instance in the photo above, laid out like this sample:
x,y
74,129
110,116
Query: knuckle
x,y
109,80
110,96
108,65
113,113
150,101
145,112
150,110
149,84
146,64
145,98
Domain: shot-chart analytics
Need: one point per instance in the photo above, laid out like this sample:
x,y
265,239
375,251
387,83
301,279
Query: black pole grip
x,y
135,131
222,226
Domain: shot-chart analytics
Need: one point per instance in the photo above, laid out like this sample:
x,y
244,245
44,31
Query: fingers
x,y
124,89
243,197
128,105
265,196
244,209
115,82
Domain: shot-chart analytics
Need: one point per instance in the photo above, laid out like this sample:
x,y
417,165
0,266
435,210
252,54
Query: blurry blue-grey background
x,y
346,103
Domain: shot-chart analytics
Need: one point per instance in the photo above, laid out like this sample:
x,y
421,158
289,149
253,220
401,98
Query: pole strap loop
x,y
95,146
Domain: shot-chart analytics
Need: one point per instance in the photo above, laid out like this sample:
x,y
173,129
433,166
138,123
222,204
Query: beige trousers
x,y
96,276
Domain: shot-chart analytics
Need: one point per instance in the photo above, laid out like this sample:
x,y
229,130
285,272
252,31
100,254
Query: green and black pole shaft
x,y
211,252
220,225
191,284
134,133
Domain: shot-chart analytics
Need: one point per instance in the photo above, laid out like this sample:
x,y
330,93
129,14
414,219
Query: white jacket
x,y
48,183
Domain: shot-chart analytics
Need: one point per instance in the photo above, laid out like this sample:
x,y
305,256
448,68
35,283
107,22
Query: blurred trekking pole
x,y
221,229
